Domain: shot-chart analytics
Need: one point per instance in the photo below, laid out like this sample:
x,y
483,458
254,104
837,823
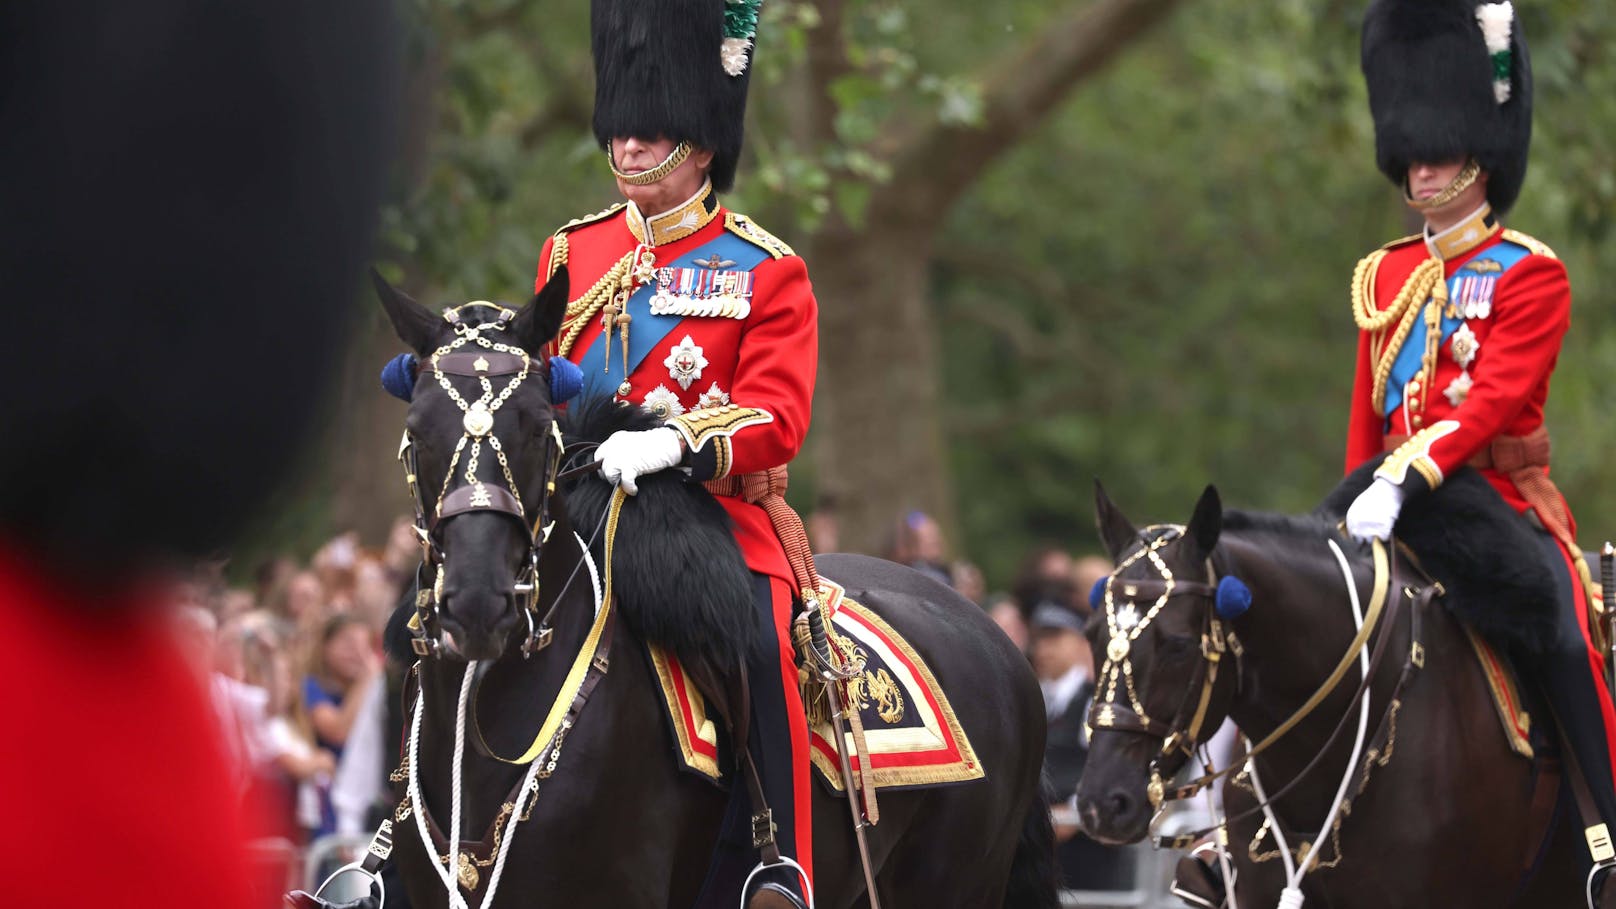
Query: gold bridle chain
x,y
1122,663
488,402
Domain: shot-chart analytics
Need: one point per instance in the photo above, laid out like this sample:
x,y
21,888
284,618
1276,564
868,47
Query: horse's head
x,y
481,451
1157,631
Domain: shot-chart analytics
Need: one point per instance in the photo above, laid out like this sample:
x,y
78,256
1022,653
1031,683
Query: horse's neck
x,y
1298,627
514,696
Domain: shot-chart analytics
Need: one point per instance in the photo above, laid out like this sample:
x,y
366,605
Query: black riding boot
x,y
1573,689
770,745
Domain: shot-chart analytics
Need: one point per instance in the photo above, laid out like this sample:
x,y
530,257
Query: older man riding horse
x,y
565,789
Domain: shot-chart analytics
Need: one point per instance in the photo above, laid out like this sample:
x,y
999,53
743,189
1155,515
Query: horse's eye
x,y
1176,644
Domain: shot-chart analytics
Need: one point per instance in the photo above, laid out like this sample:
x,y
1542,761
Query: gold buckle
x,y
381,845
1599,846
1416,653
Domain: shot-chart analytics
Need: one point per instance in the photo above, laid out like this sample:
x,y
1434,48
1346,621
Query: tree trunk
x,y
877,438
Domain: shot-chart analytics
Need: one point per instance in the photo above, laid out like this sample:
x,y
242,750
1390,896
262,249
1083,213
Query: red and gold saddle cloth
x,y
913,738
1501,681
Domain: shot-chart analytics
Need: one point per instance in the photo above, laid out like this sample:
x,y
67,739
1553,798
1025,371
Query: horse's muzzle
x,y
477,626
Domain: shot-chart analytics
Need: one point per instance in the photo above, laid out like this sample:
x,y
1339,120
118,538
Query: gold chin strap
x,y
1461,182
647,177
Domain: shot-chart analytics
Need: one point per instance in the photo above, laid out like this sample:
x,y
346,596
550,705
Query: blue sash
x,y
1504,256
647,330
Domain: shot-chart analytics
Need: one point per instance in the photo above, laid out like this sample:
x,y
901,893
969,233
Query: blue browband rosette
x,y
1097,593
566,379
1234,597
398,376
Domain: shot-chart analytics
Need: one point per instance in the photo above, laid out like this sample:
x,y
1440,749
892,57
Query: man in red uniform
x,y
1461,324
703,318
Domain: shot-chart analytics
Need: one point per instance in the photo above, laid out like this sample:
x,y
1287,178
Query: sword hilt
x,y
820,642
1607,598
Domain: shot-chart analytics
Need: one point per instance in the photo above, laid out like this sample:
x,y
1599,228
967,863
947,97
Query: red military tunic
x,y
1498,304
723,343
737,340
1487,379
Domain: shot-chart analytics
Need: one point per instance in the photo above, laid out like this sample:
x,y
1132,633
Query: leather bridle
x,y
489,359
1118,703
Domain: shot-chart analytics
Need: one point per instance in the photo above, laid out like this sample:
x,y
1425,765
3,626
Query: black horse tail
x,y
1033,880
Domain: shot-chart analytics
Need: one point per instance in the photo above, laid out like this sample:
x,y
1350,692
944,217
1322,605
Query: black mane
x,y
1466,536
679,576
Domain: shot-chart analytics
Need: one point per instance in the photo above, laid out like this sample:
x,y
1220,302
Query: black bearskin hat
x,y
1438,91
664,68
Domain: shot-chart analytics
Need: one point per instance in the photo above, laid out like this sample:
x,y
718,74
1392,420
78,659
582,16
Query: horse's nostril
x,y
1119,803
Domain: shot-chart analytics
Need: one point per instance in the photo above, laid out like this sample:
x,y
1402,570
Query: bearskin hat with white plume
x,y
1449,79
674,68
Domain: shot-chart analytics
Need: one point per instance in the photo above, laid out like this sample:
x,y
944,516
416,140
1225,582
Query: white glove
x,y
1374,511
626,456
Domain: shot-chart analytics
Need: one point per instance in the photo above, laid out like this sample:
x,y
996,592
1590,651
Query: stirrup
x,y
808,888
1590,889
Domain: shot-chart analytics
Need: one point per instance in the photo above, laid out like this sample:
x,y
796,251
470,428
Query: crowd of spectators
x,y
294,665
1044,613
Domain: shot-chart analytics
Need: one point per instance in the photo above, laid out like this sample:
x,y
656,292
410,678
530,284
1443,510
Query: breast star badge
x,y
663,403
1464,346
713,397
685,363
1458,389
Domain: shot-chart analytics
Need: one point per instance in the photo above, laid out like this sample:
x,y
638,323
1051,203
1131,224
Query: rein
x,y
1126,625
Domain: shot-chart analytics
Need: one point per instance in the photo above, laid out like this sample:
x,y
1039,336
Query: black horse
x,y
1444,813
615,823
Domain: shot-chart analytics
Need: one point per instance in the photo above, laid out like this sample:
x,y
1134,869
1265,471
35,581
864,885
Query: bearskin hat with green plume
x,y
1449,79
674,68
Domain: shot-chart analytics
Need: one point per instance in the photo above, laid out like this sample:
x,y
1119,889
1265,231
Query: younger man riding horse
x,y
1461,324
705,319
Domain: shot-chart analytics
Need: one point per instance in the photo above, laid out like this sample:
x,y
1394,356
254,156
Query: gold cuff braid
x,y
698,426
1416,453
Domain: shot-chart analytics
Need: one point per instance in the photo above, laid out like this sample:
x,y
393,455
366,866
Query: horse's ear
x,y
415,324
1116,531
540,319
1207,522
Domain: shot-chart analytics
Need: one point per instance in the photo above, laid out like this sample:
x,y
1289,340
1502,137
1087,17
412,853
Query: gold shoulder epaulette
x,y
1401,240
747,229
1536,246
559,247
601,215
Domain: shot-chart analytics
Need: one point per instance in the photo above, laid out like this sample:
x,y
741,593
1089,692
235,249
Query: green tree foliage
x,y
1154,290
1151,289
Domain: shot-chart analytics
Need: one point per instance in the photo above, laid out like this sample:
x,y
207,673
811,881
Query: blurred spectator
x,y
235,603
346,665
918,543
271,580
824,525
403,551
1064,664
1007,615
334,564
1086,572
289,770
1046,574
305,604
376,589
968,580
